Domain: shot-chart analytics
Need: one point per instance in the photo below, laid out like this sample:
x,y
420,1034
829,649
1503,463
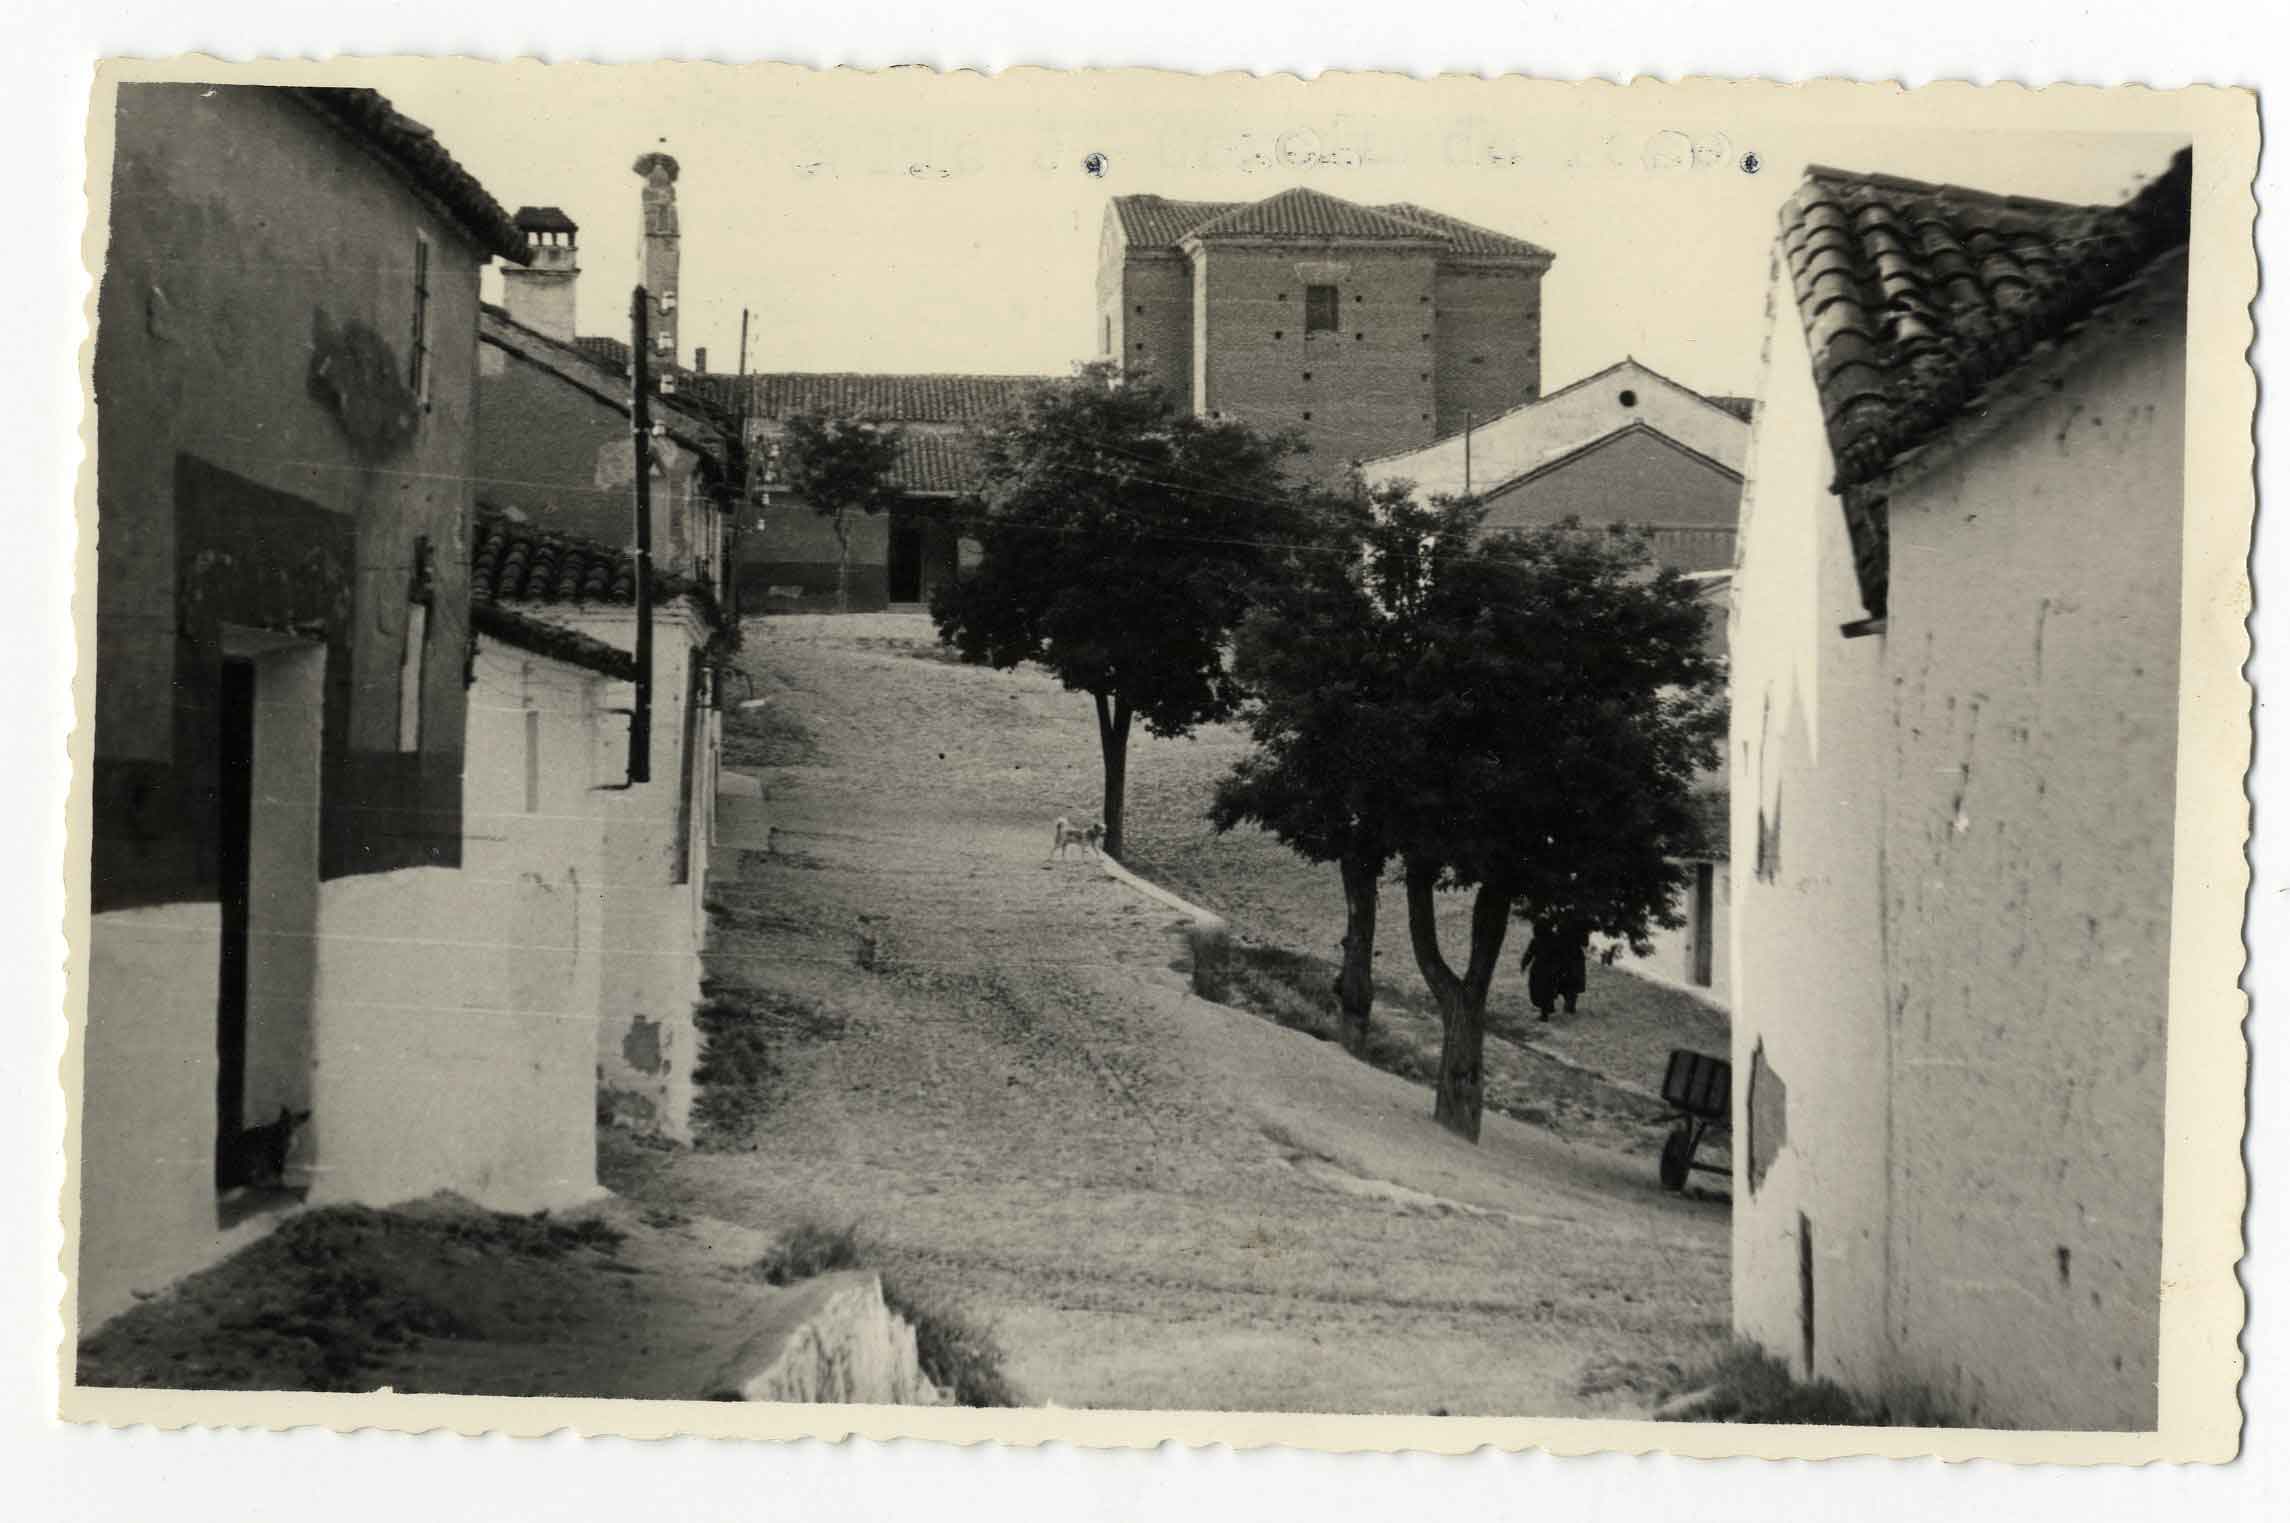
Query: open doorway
x,y
1704,924
270,705
905,562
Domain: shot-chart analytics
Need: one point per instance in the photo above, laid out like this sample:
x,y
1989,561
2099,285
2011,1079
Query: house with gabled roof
x,y
301,986
553,581
1955,638
788,555
1366,329
1623,445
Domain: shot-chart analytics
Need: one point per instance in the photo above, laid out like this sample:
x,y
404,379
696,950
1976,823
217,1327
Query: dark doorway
x,y
234,811
905,565
1705,922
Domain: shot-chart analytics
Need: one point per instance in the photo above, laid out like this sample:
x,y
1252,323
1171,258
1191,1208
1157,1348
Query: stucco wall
x,y
2034,649
190,348
443,1055
1809,757
791,562
646,1043
147,1103
1959,965
1488,342
1672,960
1634,476
566,459
1362,390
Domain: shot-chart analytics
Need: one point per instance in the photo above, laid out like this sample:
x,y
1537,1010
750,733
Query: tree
x,y
1121,541
842,466
1326,661
1533,710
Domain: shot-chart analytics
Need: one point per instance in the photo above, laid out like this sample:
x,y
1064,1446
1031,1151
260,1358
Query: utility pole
x,y
1466,452
640,419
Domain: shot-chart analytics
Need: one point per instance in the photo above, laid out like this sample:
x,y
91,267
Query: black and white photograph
x,y
1444,762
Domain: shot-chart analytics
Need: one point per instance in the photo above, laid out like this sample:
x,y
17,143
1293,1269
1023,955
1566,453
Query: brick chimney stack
x,y
540,294
659,257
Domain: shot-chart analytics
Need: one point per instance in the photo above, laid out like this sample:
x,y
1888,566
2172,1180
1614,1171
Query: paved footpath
x,y
1158,1202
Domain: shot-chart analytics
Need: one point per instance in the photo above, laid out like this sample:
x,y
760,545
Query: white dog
x,y
1066,833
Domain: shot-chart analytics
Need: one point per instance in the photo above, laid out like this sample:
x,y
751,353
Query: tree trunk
x,y
842,528
1113,741
1460,1088
1356,983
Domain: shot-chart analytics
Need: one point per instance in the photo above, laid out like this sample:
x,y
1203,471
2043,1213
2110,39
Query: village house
x,y
1366,329
788,555
1623,445
552,556
287,921
1955,695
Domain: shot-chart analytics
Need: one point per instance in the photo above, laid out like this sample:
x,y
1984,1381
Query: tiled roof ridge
x,y
1917,297
512,626
911,397
368,115
1264,219
1481,425
1468,235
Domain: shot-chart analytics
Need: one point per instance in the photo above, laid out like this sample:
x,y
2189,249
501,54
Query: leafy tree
x,y
1122,539
1326,659
1531,710
842,466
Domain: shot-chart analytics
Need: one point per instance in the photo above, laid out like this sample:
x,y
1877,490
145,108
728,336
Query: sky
x,y
912,221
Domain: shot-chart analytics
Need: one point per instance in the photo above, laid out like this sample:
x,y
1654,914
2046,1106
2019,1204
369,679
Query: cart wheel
x,y
1678,1156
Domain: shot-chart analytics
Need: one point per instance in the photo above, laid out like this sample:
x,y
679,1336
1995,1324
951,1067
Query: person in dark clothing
x,y
1556,965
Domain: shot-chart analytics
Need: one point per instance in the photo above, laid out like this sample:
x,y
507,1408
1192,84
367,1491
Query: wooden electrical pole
x,y
640,420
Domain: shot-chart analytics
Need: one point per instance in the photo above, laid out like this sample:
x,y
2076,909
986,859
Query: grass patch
x,y
1299,992
959,1354
809,1249
768,736
1745,1384
337,1295
743,1031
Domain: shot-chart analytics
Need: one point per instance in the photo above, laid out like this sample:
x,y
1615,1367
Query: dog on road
x,y
1066,833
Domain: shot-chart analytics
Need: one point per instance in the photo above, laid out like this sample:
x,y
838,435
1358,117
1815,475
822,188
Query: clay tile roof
x,y
935,463
1744,408
1468,237
1915,297
545,219
892,398
521,563
1157,222
417,154
1306,213
605,351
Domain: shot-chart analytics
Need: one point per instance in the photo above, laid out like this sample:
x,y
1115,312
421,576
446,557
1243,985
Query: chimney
x,y
700,359
540,294
658,258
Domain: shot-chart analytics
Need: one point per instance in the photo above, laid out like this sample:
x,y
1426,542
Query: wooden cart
x,y
1699,1091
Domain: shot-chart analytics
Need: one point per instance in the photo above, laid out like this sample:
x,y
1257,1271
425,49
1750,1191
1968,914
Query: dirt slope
x,y
1160,1202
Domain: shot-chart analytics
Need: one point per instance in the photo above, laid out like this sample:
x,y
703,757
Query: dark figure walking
x,y
1555,965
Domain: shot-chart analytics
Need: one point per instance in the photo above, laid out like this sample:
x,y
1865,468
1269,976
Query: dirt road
x,y
1159,1202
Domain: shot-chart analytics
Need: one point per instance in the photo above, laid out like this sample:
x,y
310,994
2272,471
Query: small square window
x,y
1360,337
1307,375
1276,333
1307,417
1319,309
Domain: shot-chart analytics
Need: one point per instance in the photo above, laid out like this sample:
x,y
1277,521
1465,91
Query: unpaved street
x,y
1157,1201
